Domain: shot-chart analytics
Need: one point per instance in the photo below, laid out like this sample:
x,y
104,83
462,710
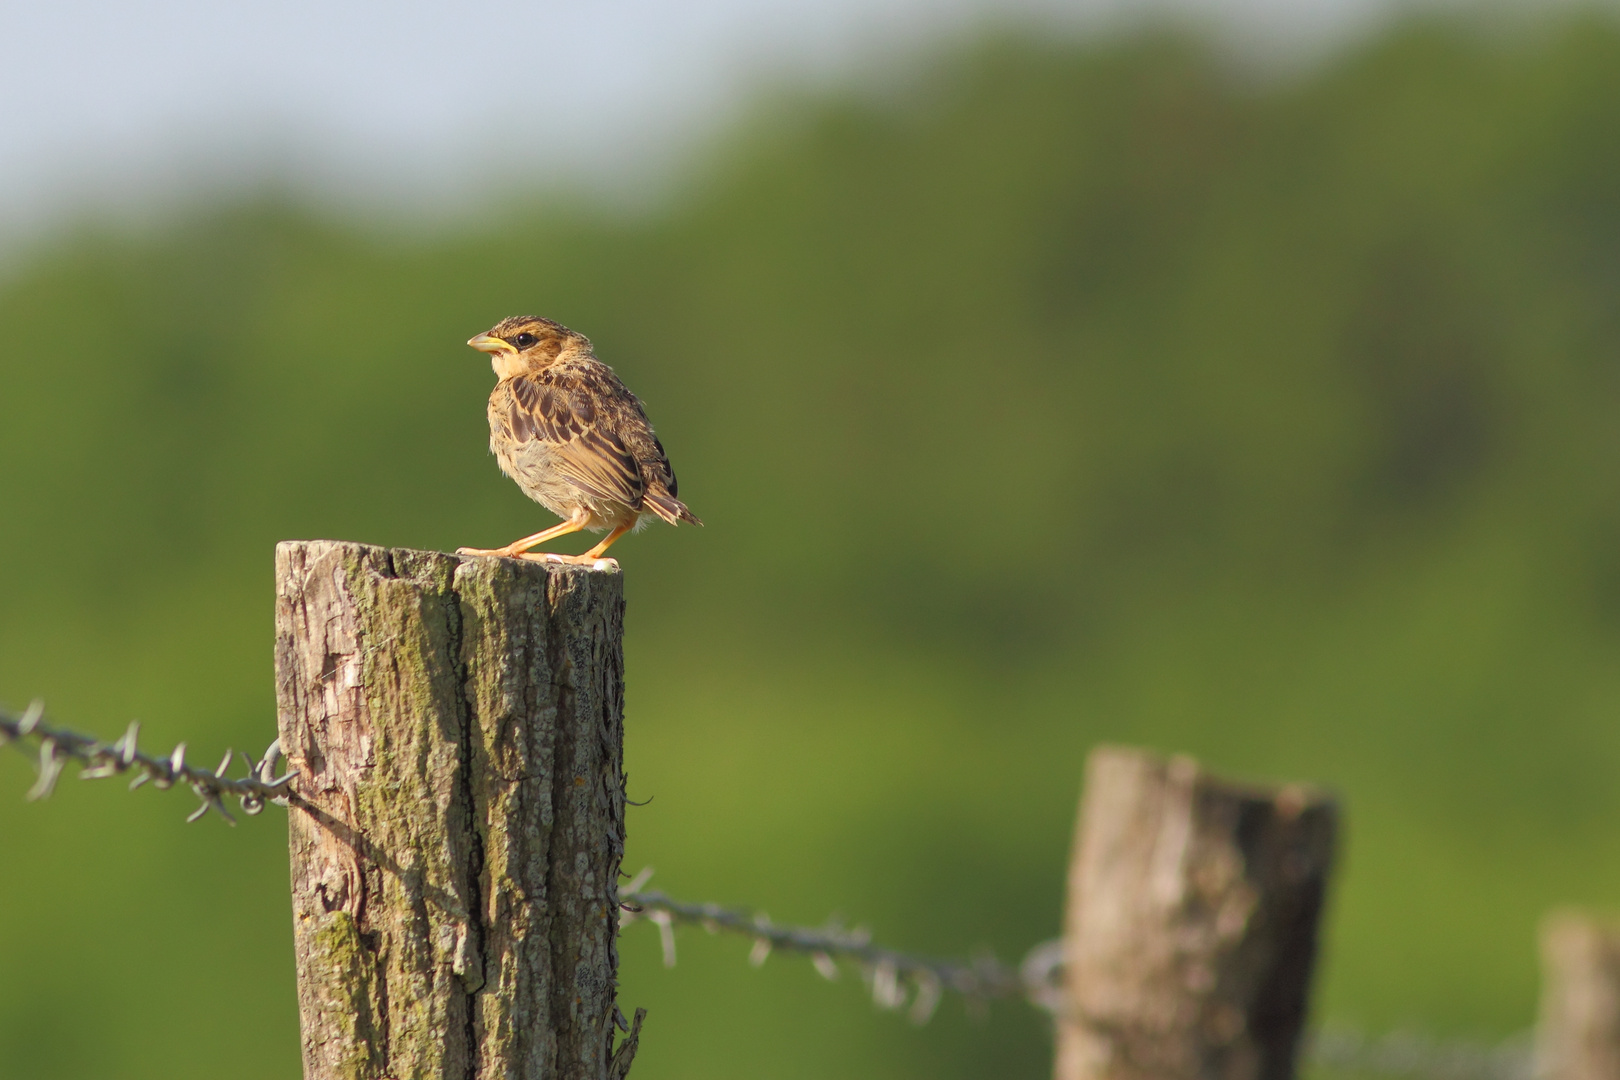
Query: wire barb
x,y
98,760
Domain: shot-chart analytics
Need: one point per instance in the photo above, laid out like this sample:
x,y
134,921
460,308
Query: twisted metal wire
x,y
99,760
892,976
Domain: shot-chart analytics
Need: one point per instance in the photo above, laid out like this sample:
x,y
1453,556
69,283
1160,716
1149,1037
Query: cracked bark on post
x,y
457,727
1191,925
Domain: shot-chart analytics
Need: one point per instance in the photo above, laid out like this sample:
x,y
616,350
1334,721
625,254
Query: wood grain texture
x,y
1578,1036
1191,926
457,727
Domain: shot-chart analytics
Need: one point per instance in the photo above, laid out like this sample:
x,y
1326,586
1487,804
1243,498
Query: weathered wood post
x,y
456,724
1578,1037
1191,926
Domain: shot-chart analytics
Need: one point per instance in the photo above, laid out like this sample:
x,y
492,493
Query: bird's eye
x,y
523,341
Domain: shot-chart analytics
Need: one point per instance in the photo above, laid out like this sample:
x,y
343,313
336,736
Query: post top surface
x,y
600,566
1109,762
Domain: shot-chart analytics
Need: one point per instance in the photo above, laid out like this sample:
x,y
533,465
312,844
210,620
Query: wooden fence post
x,y
1578,1037
456,725
1191,926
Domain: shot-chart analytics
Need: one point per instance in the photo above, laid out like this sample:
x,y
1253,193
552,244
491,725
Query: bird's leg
x,y
607,542
517,547
590,556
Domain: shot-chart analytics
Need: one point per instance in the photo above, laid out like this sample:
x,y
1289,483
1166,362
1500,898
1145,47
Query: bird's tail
x,y
669,508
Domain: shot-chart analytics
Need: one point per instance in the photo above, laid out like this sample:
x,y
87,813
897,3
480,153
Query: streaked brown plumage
x,y
575,439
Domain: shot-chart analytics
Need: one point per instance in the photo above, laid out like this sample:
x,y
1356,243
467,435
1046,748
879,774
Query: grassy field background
x,y
1058,393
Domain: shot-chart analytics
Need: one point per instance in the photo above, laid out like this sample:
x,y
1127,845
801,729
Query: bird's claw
x,y
555,559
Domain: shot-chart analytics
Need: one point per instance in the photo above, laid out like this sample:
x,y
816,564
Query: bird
x,y
573,437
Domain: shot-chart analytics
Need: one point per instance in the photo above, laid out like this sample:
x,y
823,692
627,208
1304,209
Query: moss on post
x,y
457,726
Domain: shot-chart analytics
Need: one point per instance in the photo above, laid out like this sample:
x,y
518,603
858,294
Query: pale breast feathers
x,y
555,421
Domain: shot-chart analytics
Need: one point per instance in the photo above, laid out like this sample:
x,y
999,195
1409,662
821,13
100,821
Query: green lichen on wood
x,y
412,803
349,1009
504,618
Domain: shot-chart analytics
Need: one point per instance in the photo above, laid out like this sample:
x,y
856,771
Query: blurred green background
x,y
1061,392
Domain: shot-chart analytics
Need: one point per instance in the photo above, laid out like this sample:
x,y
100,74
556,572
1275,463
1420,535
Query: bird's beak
x,y
491,344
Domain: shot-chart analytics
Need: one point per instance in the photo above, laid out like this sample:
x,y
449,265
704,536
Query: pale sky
x,y
119,105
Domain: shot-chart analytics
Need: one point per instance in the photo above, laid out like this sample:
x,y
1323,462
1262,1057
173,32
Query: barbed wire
x,y
99,760
892,976
1038,980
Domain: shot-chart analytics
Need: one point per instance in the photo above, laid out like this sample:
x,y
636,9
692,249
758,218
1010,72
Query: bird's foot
x,y
595,562
501,553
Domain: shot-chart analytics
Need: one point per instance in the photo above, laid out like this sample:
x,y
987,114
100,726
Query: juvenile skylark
x,y
575,439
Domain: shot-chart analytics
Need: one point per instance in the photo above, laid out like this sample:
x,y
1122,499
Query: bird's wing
x,y
659,476
563,415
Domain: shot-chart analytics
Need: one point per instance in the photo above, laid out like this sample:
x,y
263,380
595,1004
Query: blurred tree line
x,y
1056,392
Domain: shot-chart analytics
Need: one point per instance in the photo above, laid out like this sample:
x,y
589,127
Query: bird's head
x,y
527,343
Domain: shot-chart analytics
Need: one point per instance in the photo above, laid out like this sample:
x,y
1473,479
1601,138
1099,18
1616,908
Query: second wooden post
x,y
457,728
1192,919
